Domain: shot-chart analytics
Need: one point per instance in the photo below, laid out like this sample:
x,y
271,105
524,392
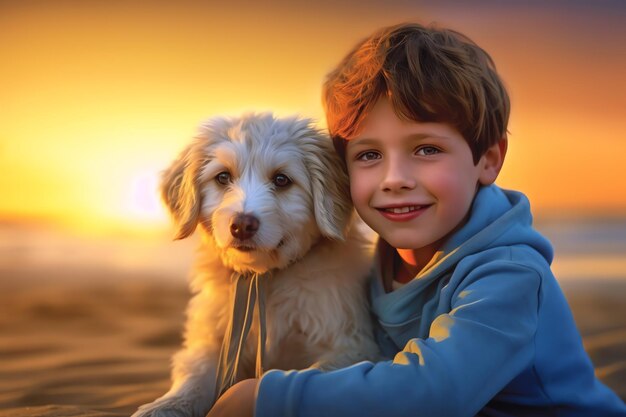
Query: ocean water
x,y
587,249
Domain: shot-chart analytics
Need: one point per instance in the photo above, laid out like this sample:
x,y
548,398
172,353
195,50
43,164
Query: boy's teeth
x,y
402,210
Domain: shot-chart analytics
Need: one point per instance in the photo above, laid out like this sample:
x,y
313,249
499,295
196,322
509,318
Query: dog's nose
x,y
244,226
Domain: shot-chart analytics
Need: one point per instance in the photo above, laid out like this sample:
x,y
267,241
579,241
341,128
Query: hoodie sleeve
x,y
471,353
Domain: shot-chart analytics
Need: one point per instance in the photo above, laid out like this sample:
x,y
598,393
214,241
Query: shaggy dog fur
x,y
271,195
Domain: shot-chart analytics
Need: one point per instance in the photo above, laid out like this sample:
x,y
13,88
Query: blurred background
x,y
97,97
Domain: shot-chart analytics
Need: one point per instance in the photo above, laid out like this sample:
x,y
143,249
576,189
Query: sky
x,y
98,97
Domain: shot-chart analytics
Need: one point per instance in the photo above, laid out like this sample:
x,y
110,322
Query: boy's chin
x,y
403,242
424,249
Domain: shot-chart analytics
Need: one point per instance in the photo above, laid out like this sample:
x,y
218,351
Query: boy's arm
x,y
471,354
237,401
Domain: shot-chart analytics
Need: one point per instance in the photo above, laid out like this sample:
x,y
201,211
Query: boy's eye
x,y
427,150
223,178
368,156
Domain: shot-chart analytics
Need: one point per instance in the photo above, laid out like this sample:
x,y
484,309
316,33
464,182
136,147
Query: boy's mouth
x,y
403,213
401,210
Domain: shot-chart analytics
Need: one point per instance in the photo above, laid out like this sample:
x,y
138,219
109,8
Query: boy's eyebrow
x,y
412,136
420,136
364,141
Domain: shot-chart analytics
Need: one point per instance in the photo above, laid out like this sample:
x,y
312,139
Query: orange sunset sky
x,y
97,97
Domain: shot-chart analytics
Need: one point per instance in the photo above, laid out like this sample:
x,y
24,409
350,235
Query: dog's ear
x,y
330,186
181,192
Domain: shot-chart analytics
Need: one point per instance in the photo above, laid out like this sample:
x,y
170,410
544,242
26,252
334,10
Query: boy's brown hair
x,y
429,75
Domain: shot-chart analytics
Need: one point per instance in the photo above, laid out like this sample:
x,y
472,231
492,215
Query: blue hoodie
x,y
482,330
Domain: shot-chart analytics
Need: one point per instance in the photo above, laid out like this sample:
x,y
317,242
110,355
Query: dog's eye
x,y
223,178
281,180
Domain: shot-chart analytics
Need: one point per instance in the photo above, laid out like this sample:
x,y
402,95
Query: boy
x,y
469,313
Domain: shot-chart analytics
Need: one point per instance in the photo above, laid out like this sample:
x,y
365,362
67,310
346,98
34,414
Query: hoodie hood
x,y
497,218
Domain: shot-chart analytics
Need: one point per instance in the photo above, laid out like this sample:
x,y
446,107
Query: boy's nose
x,y
397,178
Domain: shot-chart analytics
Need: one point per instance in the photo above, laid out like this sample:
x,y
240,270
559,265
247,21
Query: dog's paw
x,y
331,362
166,407
326,366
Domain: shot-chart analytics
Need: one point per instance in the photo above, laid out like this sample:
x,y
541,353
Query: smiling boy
x,y
414,182
467,310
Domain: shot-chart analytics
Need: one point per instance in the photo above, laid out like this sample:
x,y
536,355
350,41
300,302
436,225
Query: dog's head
x,y
265,189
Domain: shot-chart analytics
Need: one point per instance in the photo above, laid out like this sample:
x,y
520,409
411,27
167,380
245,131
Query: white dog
x,y
270,197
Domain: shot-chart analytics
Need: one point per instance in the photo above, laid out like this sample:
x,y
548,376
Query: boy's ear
x,y
492,162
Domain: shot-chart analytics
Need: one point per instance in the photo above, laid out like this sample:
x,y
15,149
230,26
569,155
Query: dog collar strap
x,y
249,292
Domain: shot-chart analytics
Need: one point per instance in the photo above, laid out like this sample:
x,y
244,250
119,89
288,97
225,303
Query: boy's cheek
x,y
350,166
359,195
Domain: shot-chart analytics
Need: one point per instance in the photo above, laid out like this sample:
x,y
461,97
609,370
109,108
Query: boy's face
x,y
413,183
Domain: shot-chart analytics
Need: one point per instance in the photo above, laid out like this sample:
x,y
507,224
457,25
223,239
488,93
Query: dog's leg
x,y
192,391
194,368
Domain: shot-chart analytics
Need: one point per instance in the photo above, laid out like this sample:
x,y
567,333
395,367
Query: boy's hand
x,y
237,401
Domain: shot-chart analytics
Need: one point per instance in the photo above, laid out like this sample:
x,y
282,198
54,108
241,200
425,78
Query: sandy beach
x,y
83,349
78,340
